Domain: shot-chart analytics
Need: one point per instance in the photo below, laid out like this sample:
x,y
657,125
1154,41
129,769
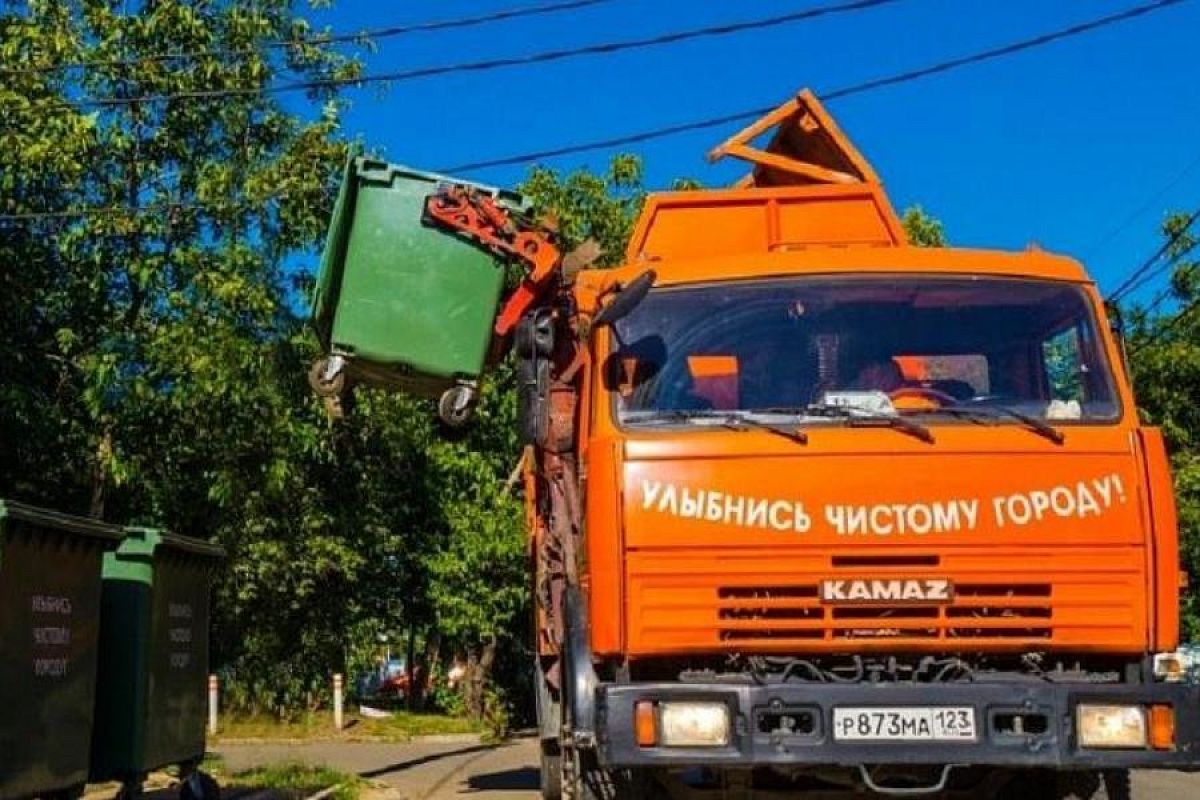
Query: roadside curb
x,y
326,792
214,744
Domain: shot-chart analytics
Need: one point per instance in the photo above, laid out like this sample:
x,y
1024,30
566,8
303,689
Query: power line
x,y
859,88
1163,269
319,40
1167,328
1147,271
1141,209
1159,299
604,48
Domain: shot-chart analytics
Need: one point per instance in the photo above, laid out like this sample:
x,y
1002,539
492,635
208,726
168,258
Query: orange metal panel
x,y
1084,599
807,146
604,568
844,219
1164,524
683,225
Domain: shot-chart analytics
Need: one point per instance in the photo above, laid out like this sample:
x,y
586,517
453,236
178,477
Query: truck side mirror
x,y
626,299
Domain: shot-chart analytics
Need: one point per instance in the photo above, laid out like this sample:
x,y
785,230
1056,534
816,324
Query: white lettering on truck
x,y
1081,499
725,507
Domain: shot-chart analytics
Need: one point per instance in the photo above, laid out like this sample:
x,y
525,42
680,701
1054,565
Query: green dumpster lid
x,y
44,517
153,538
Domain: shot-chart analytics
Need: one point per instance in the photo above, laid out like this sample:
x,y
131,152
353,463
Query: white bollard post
x,y
337,701
213,699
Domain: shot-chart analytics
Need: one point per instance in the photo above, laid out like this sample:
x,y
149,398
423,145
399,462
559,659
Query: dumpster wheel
x,y
327,376
456,406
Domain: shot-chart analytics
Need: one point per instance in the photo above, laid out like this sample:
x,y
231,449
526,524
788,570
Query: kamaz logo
x,y
893,590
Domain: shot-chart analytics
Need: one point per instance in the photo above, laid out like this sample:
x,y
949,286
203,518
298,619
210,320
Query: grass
x,y
300,780
400,727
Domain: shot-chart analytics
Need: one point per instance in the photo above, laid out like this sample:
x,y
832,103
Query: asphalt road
x,y
460,769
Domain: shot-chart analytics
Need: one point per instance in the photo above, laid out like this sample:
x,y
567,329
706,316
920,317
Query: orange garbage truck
x,y
812,509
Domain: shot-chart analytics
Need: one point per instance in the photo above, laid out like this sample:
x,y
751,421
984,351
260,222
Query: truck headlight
x,y
693,724
1169,667
1111,726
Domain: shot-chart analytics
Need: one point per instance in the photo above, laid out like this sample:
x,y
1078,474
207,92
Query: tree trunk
x,y
410,667
100,474
479,668
429,663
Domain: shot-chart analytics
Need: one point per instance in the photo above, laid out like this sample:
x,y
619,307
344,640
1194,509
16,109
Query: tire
x,y
325,388
593,782
551,771
1117,785
1068,785
456,407
199,786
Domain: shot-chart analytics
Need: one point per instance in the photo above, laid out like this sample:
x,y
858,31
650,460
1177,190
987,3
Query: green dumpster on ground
x,y
49,622
151,707
397,303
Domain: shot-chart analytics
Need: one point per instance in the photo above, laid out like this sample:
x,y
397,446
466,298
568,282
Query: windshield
x,y
879,345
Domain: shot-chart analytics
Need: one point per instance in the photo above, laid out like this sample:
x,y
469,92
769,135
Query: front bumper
x,y
752,706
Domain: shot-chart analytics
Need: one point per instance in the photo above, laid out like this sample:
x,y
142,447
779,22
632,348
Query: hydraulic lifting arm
x,y
476,216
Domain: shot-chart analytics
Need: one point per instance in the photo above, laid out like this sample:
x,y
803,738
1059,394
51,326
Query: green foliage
x,y
1165,354
157,354
1063,366
586,204
302,779
923,230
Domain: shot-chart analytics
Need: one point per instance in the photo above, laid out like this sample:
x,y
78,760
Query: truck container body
x,y
812,508
49,624
851,513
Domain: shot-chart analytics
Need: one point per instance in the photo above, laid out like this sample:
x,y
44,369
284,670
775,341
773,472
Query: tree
x,y
153,317
1164,348
923,230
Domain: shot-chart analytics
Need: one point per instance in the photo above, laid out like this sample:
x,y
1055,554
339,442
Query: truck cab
x,y
825,510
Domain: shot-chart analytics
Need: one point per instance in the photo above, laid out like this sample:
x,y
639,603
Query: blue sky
x,y
1058,146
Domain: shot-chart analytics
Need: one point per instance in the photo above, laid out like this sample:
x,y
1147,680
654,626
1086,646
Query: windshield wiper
x,y
730,419
1040,427
736,421
858,418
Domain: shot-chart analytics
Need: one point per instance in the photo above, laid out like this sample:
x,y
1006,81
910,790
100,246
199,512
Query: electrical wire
x,y
1167,327
1141,209
319,40
859,88
1147,271
847,91
486,65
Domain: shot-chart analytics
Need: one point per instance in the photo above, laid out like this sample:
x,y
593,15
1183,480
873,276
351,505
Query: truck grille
x,y
979,611
1093,599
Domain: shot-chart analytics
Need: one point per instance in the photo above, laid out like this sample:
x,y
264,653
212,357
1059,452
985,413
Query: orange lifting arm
x,y
476,215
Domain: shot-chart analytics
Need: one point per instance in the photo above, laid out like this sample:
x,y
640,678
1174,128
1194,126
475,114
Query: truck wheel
x,y
1044,784
199,786
1112,784
1117,785
589,781
551,773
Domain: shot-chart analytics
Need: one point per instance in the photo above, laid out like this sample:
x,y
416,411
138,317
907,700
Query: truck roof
x,y
948,261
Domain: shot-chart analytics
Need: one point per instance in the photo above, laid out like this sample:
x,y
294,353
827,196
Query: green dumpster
x,y
49,623
399,304
151,707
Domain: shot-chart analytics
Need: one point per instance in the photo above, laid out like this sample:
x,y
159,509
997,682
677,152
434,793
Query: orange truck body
x,y
725,541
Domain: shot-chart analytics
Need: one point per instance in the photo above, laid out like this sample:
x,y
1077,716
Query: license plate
x,y
910,724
